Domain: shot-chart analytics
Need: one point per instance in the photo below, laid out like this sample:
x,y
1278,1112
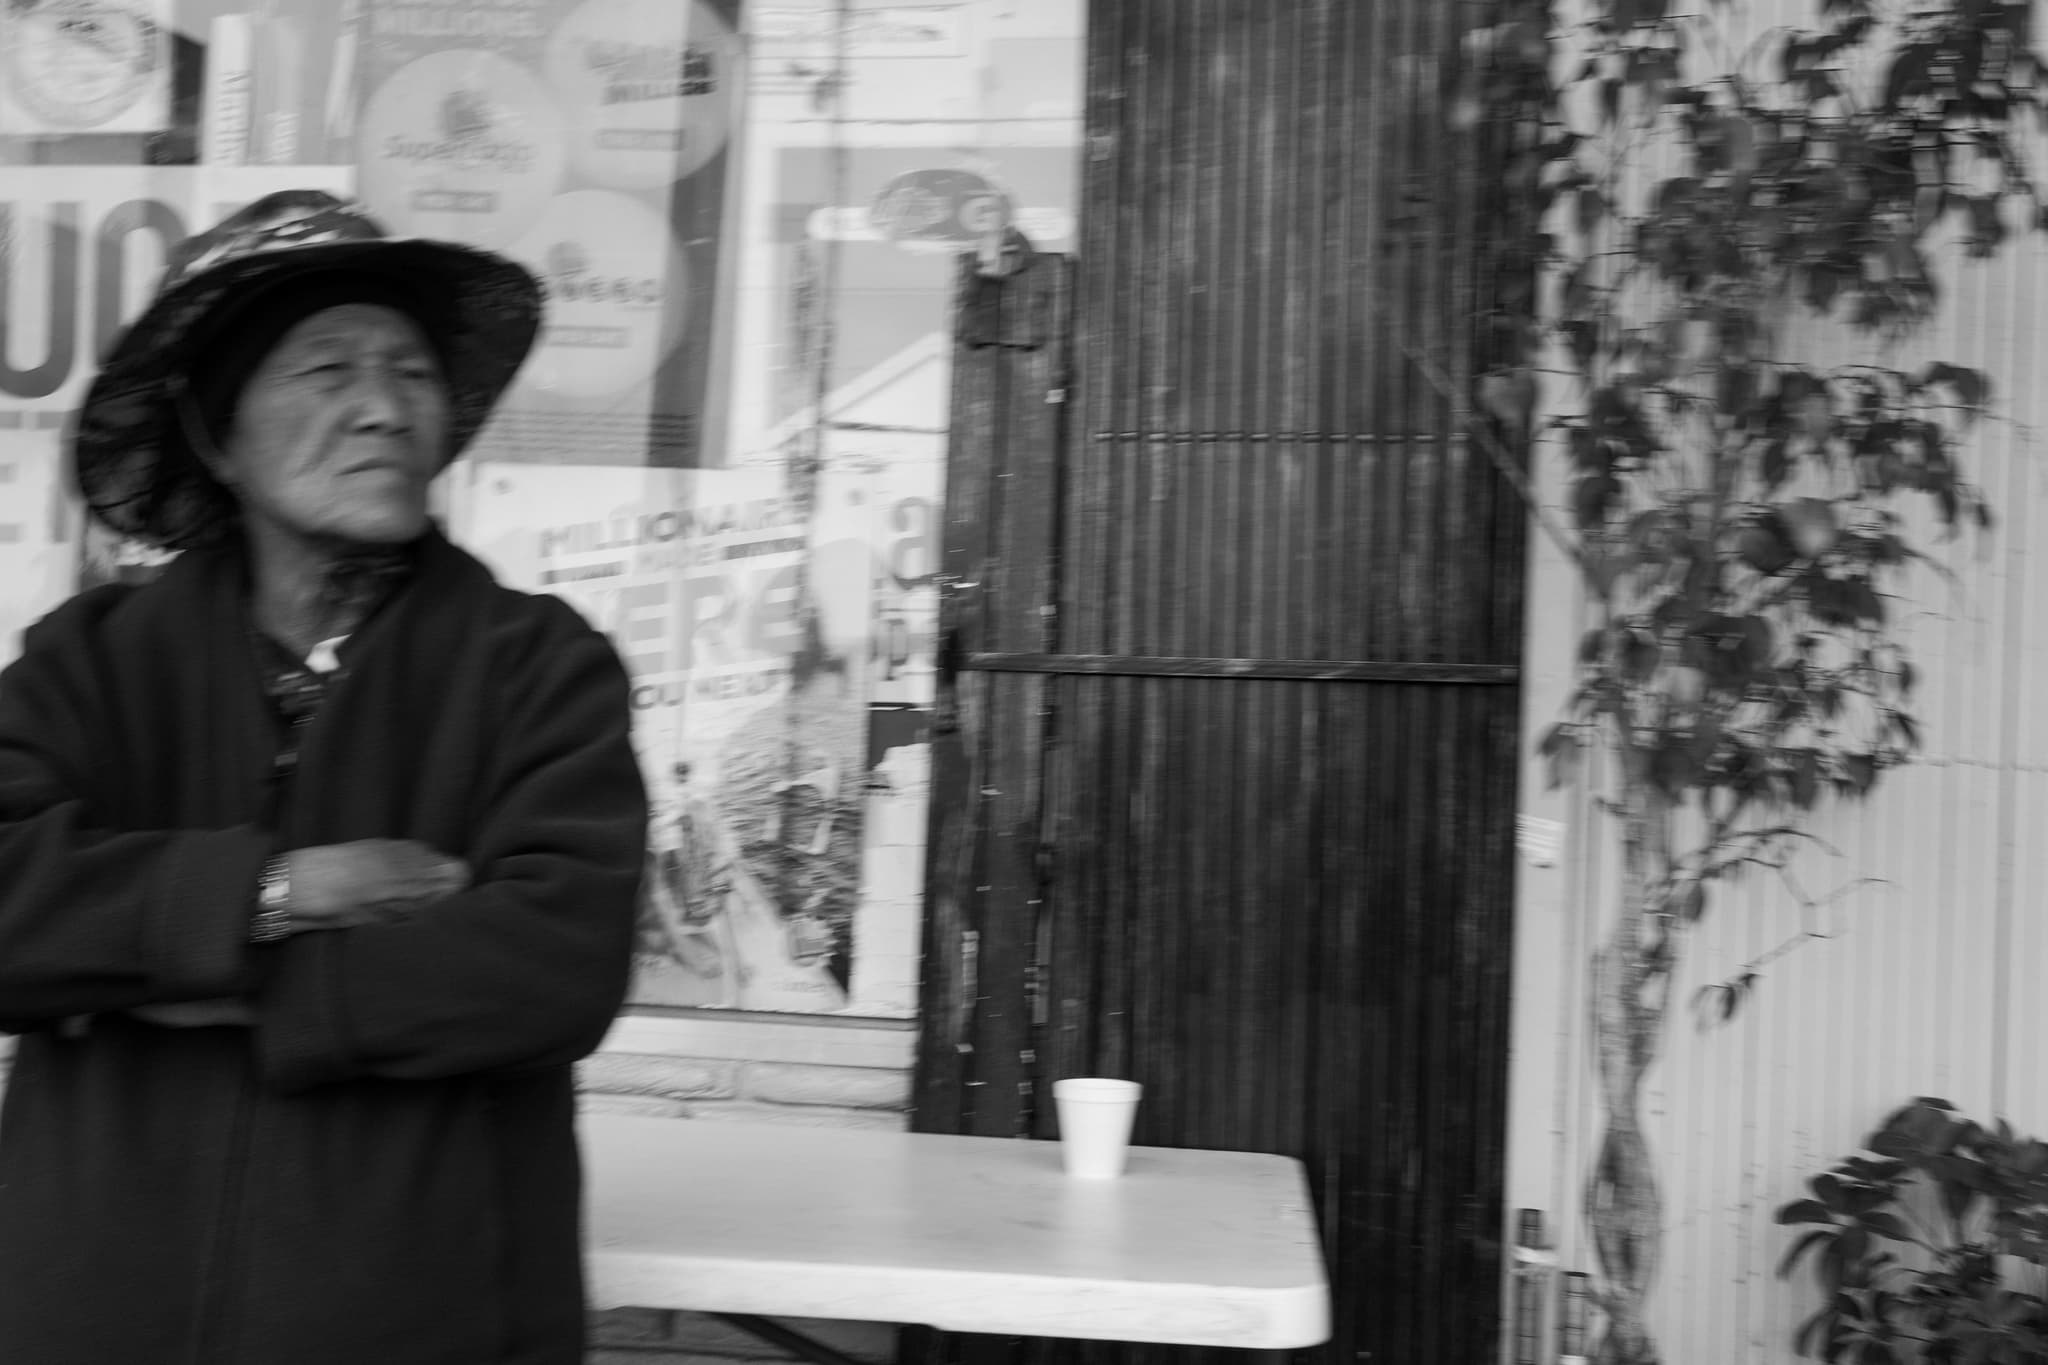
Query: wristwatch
x,y
272,921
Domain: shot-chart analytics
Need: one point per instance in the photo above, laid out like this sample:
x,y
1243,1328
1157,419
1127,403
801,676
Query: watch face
x,y
275,887
77,65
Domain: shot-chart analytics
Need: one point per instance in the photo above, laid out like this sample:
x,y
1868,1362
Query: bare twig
x,y
1573,549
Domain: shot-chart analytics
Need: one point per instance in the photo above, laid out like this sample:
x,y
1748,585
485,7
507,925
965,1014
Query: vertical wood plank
x,y
998,564
951,934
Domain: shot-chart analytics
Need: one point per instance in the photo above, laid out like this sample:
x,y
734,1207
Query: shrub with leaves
x,y
1931,1247
1708,213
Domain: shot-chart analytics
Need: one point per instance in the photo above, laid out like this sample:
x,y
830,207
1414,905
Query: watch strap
x,y
273,918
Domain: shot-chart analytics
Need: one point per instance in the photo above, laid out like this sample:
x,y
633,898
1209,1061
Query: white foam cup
x,y
1095,1124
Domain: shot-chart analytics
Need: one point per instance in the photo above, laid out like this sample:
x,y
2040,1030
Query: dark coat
x,y
383,1167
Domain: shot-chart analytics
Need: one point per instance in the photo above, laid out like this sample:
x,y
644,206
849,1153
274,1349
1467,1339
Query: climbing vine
x,y
1692,211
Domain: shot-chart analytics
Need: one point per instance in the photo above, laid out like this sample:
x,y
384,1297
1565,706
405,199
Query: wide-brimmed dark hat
x,y
132,454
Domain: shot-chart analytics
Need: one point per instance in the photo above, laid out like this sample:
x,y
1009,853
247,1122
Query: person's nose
x,y
381,403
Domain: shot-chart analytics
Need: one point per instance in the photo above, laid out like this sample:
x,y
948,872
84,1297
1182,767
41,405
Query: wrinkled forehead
x,y
376,326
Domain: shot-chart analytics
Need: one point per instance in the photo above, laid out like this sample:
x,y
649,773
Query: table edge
x,y
1290,1317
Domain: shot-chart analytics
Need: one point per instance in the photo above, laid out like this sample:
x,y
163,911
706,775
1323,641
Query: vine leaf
x,y
1972,388
1805,1211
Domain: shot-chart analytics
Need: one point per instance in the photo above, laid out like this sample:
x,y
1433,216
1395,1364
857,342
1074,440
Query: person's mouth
x,y
387,463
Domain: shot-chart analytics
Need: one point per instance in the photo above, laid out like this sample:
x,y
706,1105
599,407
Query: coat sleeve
x,y
93,919
526,968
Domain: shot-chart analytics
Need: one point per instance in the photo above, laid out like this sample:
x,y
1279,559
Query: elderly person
x,y
318,854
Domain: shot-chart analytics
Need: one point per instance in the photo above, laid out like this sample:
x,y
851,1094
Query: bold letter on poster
x,y
109,312
45,378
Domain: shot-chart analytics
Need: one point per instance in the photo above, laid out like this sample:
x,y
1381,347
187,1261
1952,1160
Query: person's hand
x,y
369,881
337,886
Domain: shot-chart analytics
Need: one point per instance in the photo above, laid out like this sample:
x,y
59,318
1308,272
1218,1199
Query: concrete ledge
x,y
801,1116
846,1086
887,1044
635,1106
676,1078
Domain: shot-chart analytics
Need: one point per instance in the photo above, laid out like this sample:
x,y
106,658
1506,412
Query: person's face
x,y
340,429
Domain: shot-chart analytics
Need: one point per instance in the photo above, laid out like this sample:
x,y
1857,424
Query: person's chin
x,y
386,525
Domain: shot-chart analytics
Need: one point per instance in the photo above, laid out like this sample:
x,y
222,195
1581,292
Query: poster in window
x,y
745,626
895,220
779,633
593,141
69,67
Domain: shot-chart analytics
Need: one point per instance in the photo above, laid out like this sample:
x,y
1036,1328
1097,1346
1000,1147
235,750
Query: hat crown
x,y
276,222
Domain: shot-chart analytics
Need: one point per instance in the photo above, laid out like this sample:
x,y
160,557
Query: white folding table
x,y
968,1234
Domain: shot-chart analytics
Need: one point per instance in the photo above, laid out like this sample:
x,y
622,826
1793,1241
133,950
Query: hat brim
x,y
134,466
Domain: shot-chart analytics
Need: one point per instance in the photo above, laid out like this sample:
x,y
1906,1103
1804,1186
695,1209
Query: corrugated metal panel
x,y
1264,912
1279,903
1926,982
1281,746
1340,233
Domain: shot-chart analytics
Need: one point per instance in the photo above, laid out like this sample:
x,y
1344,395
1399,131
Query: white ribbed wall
x,y
1929,984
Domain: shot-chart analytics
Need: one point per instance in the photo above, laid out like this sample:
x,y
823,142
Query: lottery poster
x,y
772,716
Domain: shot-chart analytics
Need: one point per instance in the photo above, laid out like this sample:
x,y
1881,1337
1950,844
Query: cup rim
x,y
1099,1089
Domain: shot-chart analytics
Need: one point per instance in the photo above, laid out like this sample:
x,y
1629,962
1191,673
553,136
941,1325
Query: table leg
x,y
775,1334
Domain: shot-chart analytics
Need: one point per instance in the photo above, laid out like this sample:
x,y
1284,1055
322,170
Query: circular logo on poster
x,y
76,64
946,208
648,87
616,285
462,144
